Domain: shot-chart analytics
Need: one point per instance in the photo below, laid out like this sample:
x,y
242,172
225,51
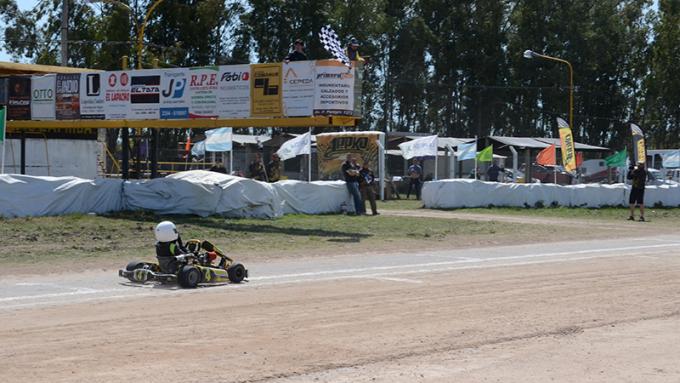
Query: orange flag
x,y
546,156
187,145
579,158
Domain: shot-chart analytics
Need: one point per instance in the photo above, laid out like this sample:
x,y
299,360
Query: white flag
x,y
671,159
420,147
198,149
467,151
218,140
295,147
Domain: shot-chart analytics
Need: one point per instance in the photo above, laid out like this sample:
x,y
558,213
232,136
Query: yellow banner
x,y
641,154
568,152
332,150
265,90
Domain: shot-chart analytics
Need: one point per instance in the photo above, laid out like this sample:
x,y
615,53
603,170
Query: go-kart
x,y
197,266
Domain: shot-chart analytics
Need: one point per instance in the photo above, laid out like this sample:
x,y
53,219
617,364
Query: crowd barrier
x,y
459,193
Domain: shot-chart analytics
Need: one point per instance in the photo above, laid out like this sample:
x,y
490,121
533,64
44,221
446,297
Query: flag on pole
x,y
547,156
486,155
218,140
295,147
579,158
187,145
567,145
330,41
617,159
467,151
420,147
639,152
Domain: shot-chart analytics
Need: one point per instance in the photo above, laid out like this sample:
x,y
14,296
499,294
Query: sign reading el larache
x,y
296,89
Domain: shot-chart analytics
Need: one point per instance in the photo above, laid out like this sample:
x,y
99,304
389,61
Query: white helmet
x,y
166,232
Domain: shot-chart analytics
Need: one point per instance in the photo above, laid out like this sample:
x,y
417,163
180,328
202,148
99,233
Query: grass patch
x,y
123,236
666,215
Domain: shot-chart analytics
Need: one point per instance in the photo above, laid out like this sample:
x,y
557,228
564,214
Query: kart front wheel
x,y
132,266
189,277
236,273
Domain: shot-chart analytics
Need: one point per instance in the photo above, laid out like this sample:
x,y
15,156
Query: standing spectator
x,y
256,169
493,171
298,53
415,175
351,172
352,50
638,175
367,186
274,168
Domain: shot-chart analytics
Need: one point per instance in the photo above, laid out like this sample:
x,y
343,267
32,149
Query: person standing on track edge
x,y
415,173
367,187
350,170
638,175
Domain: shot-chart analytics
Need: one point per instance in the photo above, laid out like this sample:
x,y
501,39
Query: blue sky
x,y
23,5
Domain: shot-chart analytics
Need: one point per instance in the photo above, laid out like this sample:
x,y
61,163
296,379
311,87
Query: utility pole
x,y
64,33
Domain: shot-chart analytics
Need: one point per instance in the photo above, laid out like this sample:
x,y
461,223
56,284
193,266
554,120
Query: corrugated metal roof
x,y
443,141
248,139
16,68
520,142
577,145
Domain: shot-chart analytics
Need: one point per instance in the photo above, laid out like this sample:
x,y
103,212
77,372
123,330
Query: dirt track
x,y
609,319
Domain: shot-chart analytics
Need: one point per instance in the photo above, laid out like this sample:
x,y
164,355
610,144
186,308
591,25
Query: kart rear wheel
x,y
236,273
134,265
189,277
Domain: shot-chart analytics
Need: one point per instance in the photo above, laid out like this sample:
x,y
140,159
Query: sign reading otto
x,y
332,150
265,90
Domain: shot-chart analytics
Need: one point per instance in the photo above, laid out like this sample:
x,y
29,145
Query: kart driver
x,y
168,247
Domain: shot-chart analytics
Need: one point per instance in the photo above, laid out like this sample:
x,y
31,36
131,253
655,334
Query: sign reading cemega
x,y
299,89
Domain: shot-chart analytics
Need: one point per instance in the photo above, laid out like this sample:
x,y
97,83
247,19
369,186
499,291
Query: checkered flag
x,y
329,40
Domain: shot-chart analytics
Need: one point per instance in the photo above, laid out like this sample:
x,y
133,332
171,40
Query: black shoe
x,y
376,213
642,219
631,218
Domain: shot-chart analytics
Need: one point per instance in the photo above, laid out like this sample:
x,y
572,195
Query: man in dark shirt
x,y
415,175
256,169
638,175
350,170
367,187
298,53
492,172
274,168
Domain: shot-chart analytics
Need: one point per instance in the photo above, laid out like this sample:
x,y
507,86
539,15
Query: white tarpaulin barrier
x,y
204,193
318,197
25,196
457,193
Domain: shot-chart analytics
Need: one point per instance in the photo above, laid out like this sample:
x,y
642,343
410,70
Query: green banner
x,y
617,159
3,122
486,155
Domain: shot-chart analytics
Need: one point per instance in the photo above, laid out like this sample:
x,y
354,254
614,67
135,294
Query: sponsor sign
x,y
332,150
19,98
68,96
3,91
117,95
174,94
298,88
567,146
233,96
92,98
334,89
43,97
265,90
203,84
145,95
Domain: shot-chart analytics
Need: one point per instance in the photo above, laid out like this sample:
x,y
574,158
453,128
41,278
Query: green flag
x,y
486,155
617,159
2,123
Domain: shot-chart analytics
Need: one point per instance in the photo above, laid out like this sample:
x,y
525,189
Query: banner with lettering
x,y
265,90
19,98
334,89
174,101
298,88
233,95
42,97
68,96
202,92
145,95
332,150
567,146
117,95
92,98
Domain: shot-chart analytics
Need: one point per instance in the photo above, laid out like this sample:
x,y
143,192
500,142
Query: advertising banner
x,y
42,97
92,96
19,98
145,95
174,99
334,89
332,150
567,145
233,96
298,88
68,96
203,84
639,152
3,91
265,90
117,95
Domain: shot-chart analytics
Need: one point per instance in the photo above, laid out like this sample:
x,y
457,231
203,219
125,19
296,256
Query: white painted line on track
x,y
400,280
78,291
